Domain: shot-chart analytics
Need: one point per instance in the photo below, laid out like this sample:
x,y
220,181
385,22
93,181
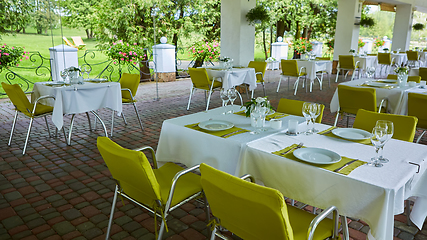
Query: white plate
x,y
377,84
317,155
215,125
96,79
351,133
55,83
387,80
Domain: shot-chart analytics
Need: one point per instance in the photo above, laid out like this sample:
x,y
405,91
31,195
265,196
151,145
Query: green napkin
x,y
383,81
91,81
369,85
275,115
331,167
241,113
223,133
57,85
328,132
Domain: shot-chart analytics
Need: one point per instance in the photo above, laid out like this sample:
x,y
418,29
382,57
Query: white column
x,y
347,34
402,27
237,36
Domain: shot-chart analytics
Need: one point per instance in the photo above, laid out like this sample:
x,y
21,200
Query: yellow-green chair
x,y
417,107
68,42
413,58
260,68
423,73
324,71
290,69
346,62
416,79
351,99
129,84
159,190
404,126
251,211
78,42
294,107
385,59
200,80
26,108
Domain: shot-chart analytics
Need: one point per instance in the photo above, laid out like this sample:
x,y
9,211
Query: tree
x,y
15,15
44,16
80,14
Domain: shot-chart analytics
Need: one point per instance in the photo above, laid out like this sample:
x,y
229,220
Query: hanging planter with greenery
x,y
418,26
367,22
257,14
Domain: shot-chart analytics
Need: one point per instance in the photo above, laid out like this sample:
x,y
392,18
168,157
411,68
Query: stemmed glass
x,y
64,75
315,112
256,115
306,111
378,138
86,69
223,93
370,71
232,95
388,125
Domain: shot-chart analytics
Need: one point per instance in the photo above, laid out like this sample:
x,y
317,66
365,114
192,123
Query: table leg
x,y
100,120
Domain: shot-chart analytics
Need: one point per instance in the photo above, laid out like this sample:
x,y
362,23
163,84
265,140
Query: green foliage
x,y
126,53
80,14
203,49
11,56
302,45
418,26
379,42
330,44
367,22
258,14
360,43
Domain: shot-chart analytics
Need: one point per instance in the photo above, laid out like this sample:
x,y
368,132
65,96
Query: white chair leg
x,y
112,124
113,206
189,99
209,99
213,233
47,126
139,118
296,86
28,136
338,73
162,229
88,120
336,118
13,127
278,86
419,138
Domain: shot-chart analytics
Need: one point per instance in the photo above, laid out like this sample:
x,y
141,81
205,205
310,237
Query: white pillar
x,y
402,27
347,34
237,36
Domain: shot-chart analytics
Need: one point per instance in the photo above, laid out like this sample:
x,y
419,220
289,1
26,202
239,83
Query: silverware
x,y
294,148
345,165
327,131
228,134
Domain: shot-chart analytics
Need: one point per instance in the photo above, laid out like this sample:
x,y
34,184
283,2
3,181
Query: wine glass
x,y
306,111
388,125
232,95
378,138
370,72
315,112
86,69
223,93
256,118
64,75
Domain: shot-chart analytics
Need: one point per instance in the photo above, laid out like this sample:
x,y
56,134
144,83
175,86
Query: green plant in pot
x,y
367,22
418,26
204,50
257,14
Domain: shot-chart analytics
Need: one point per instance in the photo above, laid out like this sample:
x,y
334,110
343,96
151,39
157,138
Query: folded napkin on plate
x,y
331,167
376,86
328,132
384,81
223,133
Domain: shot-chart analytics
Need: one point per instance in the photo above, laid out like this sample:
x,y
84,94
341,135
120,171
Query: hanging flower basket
x,y
418,26
10,56
367,22
257,15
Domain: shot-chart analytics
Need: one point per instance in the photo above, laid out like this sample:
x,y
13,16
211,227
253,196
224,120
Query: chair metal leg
x,y
338,73
247,92
13,127
28,136
88,119
336,118
263,88
113,206
419,138
47,126
213,233
124,118
278,86
408,212
137,114
189,99
71,130
344,225
296,86
112,124
209,99
207,211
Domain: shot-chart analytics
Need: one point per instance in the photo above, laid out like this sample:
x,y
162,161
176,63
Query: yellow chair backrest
x,y
404,126
412,55
68,42
384,58
352,99
346,61
323,58
416,79
200,78
130,81
294,107
259,67
249,210
423,73
18,98
290,68
417,107
372,54
132,170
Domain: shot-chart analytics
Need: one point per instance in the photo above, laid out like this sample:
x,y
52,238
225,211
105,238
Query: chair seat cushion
x,y
300,221
217,84
187,185
127,100
40,110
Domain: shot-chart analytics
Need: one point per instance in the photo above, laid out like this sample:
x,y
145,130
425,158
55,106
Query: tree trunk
x,y
297,36
271,39
198,62
280,29
144,71
263,41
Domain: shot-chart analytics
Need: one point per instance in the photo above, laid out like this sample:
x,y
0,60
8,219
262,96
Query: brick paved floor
x,y
57,191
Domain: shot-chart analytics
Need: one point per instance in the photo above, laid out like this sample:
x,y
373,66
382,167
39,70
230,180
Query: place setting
x,y
219,128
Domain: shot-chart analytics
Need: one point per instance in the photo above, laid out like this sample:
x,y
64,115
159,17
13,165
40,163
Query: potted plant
x,y
379,42
402,75
302,46
203,50
418,26
257,14
367,22
11,56
250,105
121,52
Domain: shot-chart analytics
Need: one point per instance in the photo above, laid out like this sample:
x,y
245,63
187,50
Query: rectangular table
x,y
365,62
77,98
234,77
374,195
396,96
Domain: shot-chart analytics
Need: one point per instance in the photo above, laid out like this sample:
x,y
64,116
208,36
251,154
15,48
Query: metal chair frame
x,y
296,82
122,114
211,90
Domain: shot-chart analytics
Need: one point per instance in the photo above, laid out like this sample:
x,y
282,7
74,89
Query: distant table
x,y
72,99
312,67
365,62
399,58
234,76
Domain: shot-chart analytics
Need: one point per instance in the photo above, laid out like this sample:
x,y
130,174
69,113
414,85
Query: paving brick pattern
x,y
57,191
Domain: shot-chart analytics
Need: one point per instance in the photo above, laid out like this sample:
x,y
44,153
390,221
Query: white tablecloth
x,y
395,96
314,66
235,77
365,62
399,58
372,194
79,98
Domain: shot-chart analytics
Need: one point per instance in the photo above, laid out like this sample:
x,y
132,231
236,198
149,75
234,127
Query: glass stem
x,y
377,151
